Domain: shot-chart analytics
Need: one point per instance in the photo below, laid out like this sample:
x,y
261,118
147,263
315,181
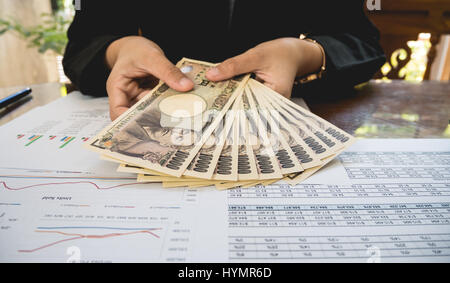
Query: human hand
x,y
137,64
275,63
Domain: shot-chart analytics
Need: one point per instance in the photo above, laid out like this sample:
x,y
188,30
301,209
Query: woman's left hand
x,y
275,63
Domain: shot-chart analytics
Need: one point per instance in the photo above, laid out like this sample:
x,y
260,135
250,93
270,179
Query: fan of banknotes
x,y
235,133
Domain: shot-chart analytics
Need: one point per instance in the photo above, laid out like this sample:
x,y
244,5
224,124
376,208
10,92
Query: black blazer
x,y
207,30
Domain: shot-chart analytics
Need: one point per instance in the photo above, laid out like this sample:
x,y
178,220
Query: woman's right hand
x,y
137,64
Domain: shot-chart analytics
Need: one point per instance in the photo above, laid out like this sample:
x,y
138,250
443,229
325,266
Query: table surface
x,y
377,110
397,109
42,94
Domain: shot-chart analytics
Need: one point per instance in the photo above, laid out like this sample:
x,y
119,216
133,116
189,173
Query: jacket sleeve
x,y
351,44
94,27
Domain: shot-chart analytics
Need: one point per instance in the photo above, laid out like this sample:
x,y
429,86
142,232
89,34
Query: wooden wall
x,y
20,65
402,20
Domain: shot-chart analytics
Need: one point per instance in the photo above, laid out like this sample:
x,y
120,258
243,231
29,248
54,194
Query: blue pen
x,y
14,97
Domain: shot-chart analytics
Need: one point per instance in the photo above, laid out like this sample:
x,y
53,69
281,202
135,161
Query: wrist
x,y
311,57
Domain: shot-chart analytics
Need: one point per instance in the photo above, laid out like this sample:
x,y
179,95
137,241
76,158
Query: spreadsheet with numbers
x,y
381,201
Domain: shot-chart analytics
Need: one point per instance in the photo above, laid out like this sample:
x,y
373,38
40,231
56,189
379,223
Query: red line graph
x,y
5,186
81,236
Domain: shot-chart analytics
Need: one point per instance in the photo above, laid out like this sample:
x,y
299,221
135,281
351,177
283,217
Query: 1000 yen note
x,y
227,165
305,155
266,162
110,159
329,141
294,179
304,141
205,162
143,178
247,169
175,185
190,184
317,140
127,168
270,132
338,134
166,129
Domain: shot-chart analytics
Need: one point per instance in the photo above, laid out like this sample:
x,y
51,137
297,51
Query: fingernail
x,y
185,82
214,72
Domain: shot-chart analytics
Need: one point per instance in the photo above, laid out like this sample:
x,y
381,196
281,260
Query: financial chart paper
x,y
61,203
380,201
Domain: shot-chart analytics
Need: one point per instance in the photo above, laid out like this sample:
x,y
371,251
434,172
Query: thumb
x,y
171,75
242,64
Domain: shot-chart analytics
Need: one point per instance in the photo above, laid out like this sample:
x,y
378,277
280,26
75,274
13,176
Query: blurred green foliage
x,y
51,34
